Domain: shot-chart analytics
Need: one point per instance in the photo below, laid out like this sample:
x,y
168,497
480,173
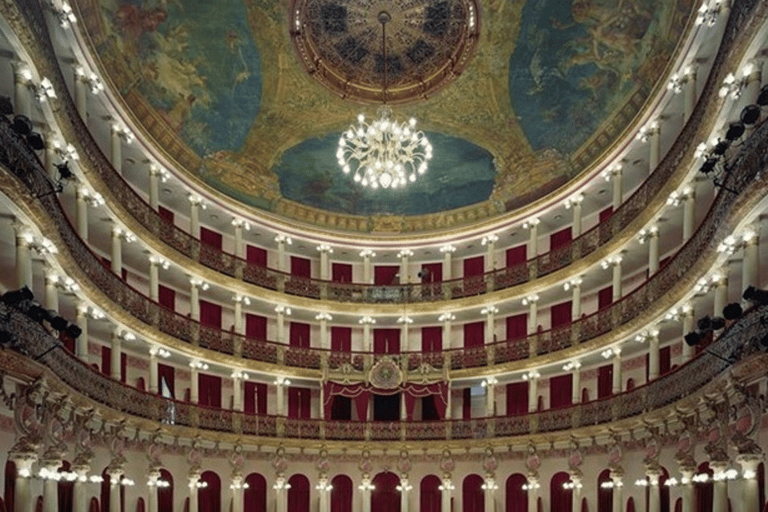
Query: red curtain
x,y
472,499
341,339
255,495
561,391
560,239
434,273
255,326
385,496
561,499
210,314
299,335
256,255
604,495
605,381
432,339
209,390
210,237
209,497
300,403
516,497
605,297
516,255
165,374
606,214
166,297
255,398
474,266
385,275
341,494
359,393
10,482
631,503
298,493
65,489
386,341
560,314
517,326
165,214
430,499
301,267
474,334
665,359
165,494
341,273
517,398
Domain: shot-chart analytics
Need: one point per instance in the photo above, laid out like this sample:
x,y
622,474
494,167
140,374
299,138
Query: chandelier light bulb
x,y
384,153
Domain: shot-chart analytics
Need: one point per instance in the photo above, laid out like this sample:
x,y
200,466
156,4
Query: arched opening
x,y
429,494
93,506
385,496
64,489
631,505
140,507
472,499
255,495
165,494
298,493
704,490
516,497
584,395
341,494
604,494
561,499
209,494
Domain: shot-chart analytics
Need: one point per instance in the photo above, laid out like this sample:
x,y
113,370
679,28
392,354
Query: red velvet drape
x,y
298,493
517,398
210,314
561,391
517,326
605,381
165,494
341,339
166,374
516,255
474,266
560,239
385,497
432,339
166,297
560,314
255,326
430,494
209,497
606,214
561,499
385,275
341,273
341,494
301,267
472,499
209,390
433,274
210,237
255,496
256,255
474,334
386,341
516,497
410,392
165,214
299,335
299,403
605,297
255,398
665,359
604,495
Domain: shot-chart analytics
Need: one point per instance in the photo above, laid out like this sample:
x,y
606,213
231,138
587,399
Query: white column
x,y
616,387
282,257
616,269
281,487
79,492
116,148
114,490
195,205
324,489
753,79
405,264
489,489
237,391
239,324
533,239
281,313
750,497
653,355
654,493
533,321
365,494
154,386
366,322
51,488
194,478
533,391
51,290
81,94
750,267
654,139
719,486
576,383
617,486
81,343
22,100
490,323
49,159
575,203
689,93
686,320
533,491
154,276
194,381
445,494
325,339
156,175
489,241
576,493
280,385
721,292
447,251
117,250
81,212
653,250
22,501
367,254
575,286
24,239
688,490
689,211
490,395
446,318
405,493
115,369
195,285
614,175
325,266
152,501
404,322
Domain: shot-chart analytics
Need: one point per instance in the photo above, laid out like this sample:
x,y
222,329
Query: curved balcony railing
x,y
753,157
739,341
739,22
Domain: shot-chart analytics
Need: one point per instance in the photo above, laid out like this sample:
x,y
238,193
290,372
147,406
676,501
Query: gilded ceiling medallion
x,y
384,51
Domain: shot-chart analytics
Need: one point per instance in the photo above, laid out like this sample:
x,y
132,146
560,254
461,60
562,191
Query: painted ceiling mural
x,y
220,88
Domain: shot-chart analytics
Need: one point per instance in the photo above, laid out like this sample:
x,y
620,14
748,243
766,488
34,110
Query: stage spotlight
x,y
35,141
73,331
6,107
37,313
750,115
733,311
22,125
16,297
59,323
735,131
693,338
755,296
762,98
721,147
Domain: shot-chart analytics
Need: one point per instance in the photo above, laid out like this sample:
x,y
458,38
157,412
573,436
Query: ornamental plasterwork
x,y
385,374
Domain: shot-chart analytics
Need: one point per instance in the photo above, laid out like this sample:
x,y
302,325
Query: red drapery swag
x,y
516,497
341,339
210,238
386,341
517,326
360,393
165,374
341,494
561,499
474,334
430,494
165,214
255,398
166,297
210,314
301,267
473,499
255,495
474,266
341,273
385,275
560,239
432,339
298,493
209,497
561,391
560,314
299,403
385,497
517,398
255,326
209,389
605,381
256,255
605,297
517,255
299,335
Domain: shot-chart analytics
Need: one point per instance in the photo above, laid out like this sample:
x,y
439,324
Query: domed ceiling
x,y
251,96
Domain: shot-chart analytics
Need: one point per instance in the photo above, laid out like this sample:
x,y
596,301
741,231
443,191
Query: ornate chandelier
x,y
384,153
